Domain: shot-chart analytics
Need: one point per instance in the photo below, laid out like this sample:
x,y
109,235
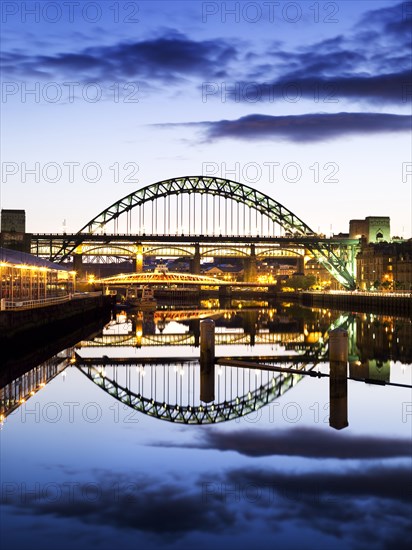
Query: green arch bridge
x,y
174,214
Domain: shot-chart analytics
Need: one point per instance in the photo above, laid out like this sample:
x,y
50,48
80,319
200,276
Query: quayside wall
x,y
383,304
39,326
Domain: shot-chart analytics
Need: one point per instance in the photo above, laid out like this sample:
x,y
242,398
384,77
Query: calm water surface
x,y
109,444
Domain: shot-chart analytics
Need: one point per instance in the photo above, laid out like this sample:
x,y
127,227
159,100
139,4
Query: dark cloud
x,y
363,508
171,56
319,60
304,442
389,22
306,128
380,482
373,63
384,88
143,504
366,508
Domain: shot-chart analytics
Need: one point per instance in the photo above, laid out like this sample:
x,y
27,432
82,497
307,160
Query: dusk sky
x,y
308,102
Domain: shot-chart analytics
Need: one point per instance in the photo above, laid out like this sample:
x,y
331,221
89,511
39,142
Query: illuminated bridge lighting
x,y
199,209
169,278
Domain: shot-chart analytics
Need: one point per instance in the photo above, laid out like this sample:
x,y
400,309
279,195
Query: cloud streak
x,y
380,482
390,88
167,58
306,128
302,442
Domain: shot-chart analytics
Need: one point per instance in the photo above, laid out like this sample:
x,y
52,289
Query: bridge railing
x,y
193,235
80,295
30,304
387,293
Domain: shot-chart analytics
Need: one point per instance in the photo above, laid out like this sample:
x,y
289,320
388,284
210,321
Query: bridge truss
x,y
169,390
179,215
255,391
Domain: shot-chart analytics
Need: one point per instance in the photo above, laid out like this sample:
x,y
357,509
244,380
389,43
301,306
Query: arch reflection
x,y
171,392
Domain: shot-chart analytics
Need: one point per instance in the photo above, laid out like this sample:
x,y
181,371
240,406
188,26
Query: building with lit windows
x,y
323,279
26,280
385,266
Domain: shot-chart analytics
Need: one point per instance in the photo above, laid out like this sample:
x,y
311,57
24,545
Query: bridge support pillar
x,y
148,323
194,326
250,319
272,294
195,261
338,381
250,267
133,320
139,332
207,360
78,265
225,297
351,265
139,258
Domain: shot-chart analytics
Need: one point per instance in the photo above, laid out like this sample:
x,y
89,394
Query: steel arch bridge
x,y
209,215
242,400
163,278
239,406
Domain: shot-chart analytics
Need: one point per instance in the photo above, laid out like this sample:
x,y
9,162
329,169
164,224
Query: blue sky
x,y
129,93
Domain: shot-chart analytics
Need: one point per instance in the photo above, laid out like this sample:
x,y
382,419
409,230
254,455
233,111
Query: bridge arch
x,y
270,252
215,412
157,249
202,185
210,251
245,196
115,250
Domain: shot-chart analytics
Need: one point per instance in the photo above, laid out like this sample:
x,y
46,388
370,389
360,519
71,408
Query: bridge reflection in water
x,y
250,327
172,392
169,389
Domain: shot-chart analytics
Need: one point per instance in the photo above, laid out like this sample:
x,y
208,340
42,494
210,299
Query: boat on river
x,y
147,302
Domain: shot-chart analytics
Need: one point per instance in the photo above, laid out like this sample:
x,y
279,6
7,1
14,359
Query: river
x,y
108,443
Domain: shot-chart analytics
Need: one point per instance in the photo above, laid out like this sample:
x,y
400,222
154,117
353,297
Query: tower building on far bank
x,y
13,230
375,229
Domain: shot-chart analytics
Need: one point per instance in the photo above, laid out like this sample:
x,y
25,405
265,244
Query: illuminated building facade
x,y
25,278
385,266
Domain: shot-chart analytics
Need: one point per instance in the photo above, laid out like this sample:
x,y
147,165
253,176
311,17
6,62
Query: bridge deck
x,y
71,238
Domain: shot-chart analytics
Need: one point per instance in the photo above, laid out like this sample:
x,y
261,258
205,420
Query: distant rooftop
x,y
15,257
12,211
